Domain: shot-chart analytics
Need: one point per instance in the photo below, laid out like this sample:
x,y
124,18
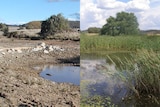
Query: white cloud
x,y
150,19
93,13
138,5
17,23
109,4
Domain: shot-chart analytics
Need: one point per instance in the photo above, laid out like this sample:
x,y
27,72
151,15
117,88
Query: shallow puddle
x,y
62,74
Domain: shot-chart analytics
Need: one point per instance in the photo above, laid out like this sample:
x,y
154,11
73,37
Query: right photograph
x,y
120,53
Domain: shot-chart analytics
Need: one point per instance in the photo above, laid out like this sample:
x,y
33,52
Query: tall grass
x,y
119,43
143,73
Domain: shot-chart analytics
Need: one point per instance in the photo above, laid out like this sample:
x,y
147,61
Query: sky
x,y
93,13
24,11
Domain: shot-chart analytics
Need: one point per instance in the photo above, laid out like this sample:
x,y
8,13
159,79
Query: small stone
x,y
19,51
9,50
12,50
3,53
45,51
50,48
37,48
42,44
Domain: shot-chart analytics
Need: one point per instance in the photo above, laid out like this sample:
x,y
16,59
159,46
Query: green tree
x,y
4,28
123,24
54,24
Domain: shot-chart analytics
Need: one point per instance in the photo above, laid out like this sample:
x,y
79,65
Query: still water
x,y
62,74
99,77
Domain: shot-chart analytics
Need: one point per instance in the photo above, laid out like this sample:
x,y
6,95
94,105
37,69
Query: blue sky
x,y
23,11
93,13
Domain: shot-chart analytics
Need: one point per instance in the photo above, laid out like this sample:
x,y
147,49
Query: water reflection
x,y
102,80
99,76
67,74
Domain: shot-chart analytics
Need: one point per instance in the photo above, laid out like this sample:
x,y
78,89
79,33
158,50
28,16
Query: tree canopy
x,y
123,24
54,24
4,28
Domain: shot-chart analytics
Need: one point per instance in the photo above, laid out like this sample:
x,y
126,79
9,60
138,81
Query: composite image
x,y
79,53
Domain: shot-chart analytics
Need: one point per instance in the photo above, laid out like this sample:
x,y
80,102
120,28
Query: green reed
x,y
143,73
119,43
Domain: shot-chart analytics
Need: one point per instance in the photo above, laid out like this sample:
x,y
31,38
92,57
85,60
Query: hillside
x,y
37,24
151,32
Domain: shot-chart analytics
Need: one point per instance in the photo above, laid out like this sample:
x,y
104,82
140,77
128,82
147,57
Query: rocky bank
x,y
20,83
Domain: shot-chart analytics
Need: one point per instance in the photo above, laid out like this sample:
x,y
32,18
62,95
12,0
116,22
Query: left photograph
x,y
40,53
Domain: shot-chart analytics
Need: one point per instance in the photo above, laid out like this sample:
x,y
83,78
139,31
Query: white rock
x,y
9,50
12,50
3,53
34,49
45,51
43,44
56,48
19,51
50,48
61,49
37,48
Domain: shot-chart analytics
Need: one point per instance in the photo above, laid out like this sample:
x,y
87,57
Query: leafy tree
x,y
93,30
4,28
123,24
54,24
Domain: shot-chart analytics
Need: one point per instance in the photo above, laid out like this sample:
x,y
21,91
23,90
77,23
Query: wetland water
x,y
99,77
62,74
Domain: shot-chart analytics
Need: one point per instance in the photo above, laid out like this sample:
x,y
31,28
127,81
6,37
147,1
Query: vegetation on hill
x,y
74,24
33,25
93,30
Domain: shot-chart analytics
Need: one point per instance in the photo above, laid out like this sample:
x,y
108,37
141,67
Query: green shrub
x,y
54,24
4,28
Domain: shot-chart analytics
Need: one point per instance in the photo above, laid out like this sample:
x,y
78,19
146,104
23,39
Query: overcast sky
x,y
23,11
93,13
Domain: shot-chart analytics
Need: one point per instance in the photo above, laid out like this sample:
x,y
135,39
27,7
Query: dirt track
x,y
20,83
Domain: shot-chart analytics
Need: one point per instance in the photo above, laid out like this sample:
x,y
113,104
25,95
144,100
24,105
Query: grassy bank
x,y
119,43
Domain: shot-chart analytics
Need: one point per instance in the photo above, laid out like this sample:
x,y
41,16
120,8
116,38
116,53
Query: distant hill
x,y
33,25
74,24
37,24
150,32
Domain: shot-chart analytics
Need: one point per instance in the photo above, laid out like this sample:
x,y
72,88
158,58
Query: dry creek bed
x,y
20,83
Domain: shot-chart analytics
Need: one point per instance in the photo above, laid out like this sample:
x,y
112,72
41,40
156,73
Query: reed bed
x,y
143,74
119,43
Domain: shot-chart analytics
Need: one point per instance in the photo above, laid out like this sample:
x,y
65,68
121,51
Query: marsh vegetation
x,y
140,71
